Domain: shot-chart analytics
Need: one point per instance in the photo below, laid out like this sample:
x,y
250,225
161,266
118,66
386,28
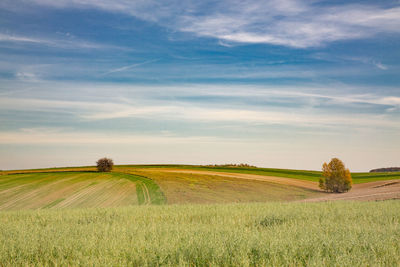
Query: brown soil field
x,y
192,186
379,190
273,179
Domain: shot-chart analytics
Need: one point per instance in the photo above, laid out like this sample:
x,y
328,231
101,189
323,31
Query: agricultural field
x,y
187,187
37,190
224,217
177,184
257,234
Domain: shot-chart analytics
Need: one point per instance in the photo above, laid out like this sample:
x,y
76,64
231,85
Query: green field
x,y
274,234
64,189
80,217
358,177
153,184
76,189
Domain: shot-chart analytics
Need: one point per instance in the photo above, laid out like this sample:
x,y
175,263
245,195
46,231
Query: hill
x,y
69,189
172,184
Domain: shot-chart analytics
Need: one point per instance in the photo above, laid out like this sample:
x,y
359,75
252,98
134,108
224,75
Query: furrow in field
x,y
62,190
273,179
380,190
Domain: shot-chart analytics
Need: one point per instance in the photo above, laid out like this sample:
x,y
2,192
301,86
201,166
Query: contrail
x,y
130,66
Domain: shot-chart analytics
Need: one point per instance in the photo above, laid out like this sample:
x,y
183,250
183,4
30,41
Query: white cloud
x,y
381,66
130,66
165,110
310,26
291,23
71,43
63,136
26,76
13,38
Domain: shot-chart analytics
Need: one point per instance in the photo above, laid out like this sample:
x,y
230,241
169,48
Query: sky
x,y
280,83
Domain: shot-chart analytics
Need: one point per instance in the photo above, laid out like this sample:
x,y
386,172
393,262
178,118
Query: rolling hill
x,y
159,184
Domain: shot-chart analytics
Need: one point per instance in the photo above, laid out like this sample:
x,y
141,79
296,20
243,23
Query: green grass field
x,y
269,234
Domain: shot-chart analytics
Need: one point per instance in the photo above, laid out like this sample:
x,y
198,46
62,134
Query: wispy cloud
x,y
381,66
13,38
299,24
130,66
57,43
311,25
39,135
26,76
187,111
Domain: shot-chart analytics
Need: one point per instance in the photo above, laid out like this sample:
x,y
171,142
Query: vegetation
x,y
335,177
360,177
205,188
76,189
240,165
104,165
271,234
107,227
390,169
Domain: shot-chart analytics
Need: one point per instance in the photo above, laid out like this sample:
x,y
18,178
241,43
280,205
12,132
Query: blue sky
x,y
286,84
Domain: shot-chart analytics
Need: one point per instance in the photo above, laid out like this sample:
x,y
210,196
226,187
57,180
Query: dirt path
x,y
381,190
272,179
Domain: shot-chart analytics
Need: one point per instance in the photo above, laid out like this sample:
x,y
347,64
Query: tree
x,y
335,177
104,165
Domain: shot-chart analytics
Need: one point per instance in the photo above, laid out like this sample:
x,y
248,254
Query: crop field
x,y
75,189
258,234
176,184
358,177
224,217
180,187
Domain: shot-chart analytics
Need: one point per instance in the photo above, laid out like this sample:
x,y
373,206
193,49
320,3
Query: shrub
x,y
104,165
335,177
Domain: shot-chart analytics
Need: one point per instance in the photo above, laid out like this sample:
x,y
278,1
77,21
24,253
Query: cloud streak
x,y
186,111
298,24
130,66
40,136
56,43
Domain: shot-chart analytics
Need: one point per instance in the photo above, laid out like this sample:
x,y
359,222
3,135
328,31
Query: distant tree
x,y
335,177
104,165
390,169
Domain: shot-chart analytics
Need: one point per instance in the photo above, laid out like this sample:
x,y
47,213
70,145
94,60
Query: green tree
x,y
105,165
335,177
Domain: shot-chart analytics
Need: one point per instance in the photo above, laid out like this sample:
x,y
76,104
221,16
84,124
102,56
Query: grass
x,y
269,234
36,190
